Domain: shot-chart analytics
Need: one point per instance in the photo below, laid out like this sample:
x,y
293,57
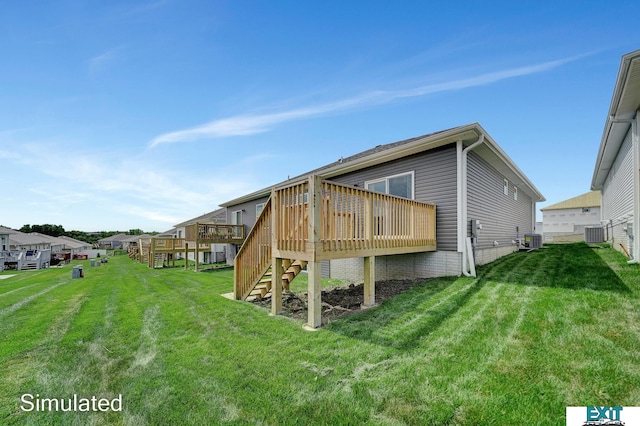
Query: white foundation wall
x,y
417,265
406,266
489,255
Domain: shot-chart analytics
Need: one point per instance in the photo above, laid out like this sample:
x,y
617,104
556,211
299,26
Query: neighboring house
x,y
565,221
4,247
132,240
79,249
484,205
27,251
617,169
214,252
171,233
112,242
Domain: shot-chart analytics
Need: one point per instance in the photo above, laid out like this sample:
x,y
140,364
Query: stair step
x,y
291,267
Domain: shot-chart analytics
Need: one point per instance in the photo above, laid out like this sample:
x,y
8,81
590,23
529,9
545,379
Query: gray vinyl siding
x,y
248,220
617,191
435,182
503,219
249,213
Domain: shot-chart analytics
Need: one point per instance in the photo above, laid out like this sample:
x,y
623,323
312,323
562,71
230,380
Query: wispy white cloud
x,y
120,182
99,62
248,124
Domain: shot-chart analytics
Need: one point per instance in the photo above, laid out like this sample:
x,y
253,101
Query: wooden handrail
x,y
352,219
254,257
320,220
219,233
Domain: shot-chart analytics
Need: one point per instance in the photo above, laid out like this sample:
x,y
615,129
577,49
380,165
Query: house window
x,y
236,219
399,185
505,189
586,210
259,208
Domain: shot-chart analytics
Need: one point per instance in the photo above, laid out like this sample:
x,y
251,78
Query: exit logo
x,y
603,416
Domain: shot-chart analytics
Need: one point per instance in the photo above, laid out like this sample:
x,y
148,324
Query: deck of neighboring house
x,y
157,252
24,260
305,223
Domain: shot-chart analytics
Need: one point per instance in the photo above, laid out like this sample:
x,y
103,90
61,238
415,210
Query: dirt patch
x,y
339,302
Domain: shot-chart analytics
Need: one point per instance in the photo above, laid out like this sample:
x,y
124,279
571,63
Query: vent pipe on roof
x,y
468,263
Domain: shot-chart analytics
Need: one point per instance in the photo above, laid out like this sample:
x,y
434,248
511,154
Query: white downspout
x,y
636,184
468,266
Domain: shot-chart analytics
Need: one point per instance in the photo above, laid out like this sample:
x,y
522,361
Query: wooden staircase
x,y
158,260
291,271
29,266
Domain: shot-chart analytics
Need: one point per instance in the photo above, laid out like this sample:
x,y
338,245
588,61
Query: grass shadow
x,y
576,266
403,320
399,321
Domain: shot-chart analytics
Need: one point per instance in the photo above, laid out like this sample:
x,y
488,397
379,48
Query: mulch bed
x,y
339,302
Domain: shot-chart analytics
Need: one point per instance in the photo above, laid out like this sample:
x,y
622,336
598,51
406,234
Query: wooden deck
x,y
318,220
198,238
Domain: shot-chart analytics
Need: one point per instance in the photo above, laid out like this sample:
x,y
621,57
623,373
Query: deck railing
x,y
320,220
348,222
254,257
215,233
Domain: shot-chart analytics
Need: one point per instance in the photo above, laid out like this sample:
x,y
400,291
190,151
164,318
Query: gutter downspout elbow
x,y
468,270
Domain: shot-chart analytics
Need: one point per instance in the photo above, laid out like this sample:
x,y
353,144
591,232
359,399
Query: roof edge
x,y
469,132
606,143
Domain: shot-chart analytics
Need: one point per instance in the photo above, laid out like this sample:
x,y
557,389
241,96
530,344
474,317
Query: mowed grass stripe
x,y
515,346
15,290
29,283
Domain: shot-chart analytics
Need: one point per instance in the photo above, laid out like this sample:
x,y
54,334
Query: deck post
x,y
314,295
196,253
369,221
276,285
315,227
186,255
152,260
369,281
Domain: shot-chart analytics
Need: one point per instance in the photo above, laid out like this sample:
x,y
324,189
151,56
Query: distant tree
x,y
47,229
135,231
81,236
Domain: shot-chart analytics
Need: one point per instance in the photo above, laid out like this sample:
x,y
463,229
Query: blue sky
x,y
119,115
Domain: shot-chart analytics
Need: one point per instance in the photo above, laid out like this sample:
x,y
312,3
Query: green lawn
x,y
536,332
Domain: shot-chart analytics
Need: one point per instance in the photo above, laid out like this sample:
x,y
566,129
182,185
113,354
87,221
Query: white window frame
x,y
386,180
261,205
505,188
236,219
381,216
515,193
